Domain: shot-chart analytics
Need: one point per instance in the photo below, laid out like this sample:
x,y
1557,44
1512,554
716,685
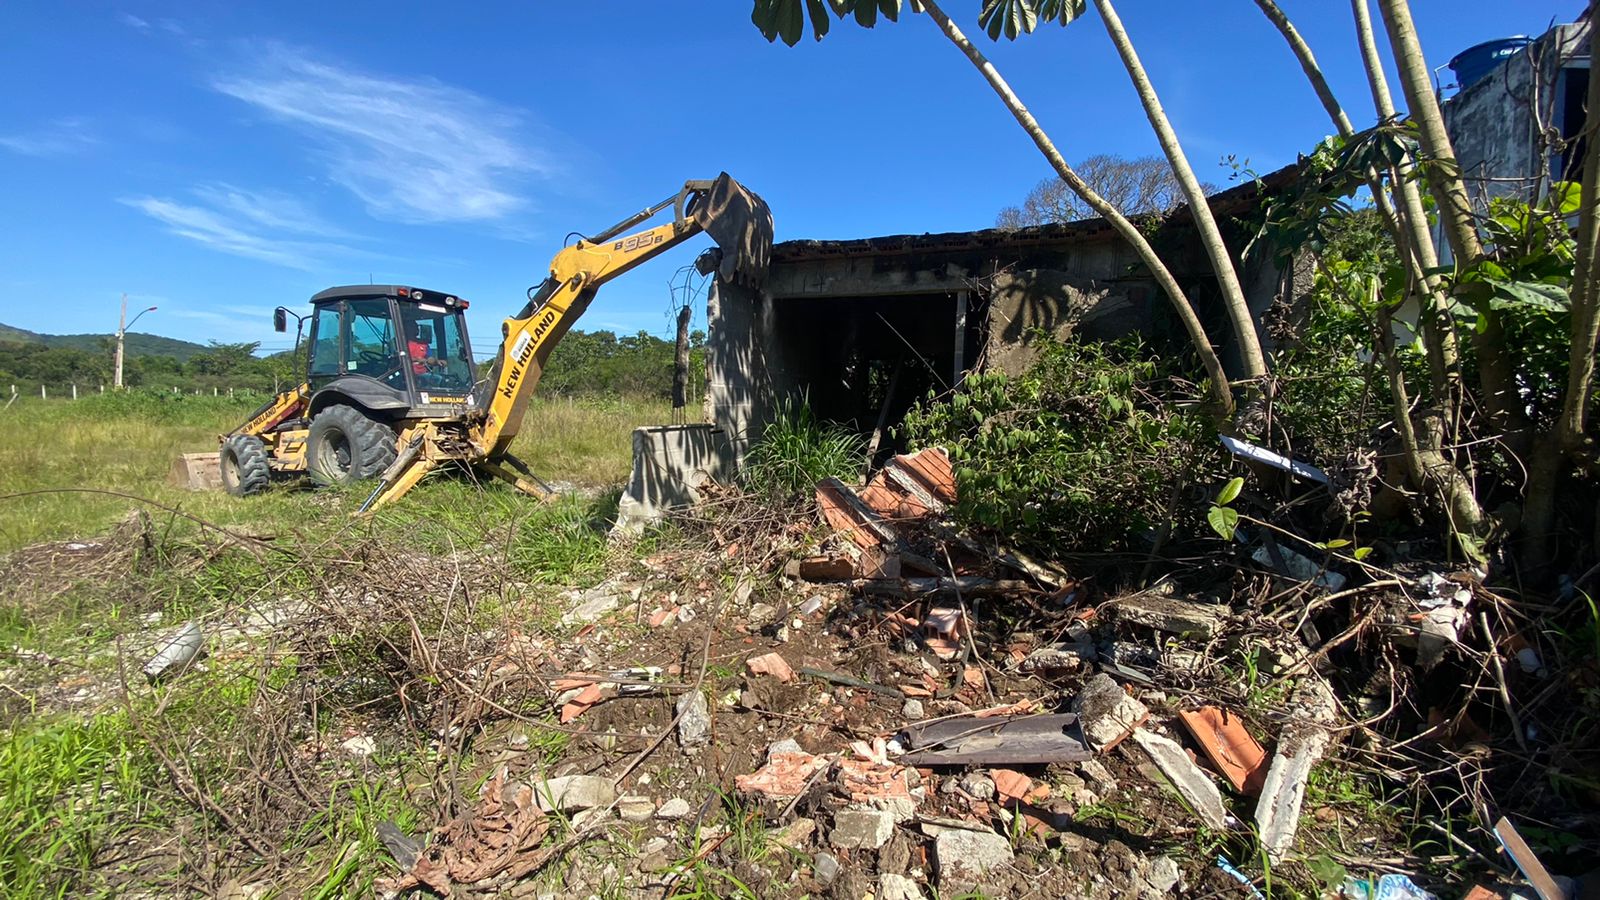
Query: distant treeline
x,y
586,362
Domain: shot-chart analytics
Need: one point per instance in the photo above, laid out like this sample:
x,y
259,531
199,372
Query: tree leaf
x,y
1063,11
1510,294
1011,17
819,18
1362,552
791,22
1224,521
1230,491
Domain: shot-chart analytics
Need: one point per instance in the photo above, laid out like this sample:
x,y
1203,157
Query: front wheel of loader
x,y
345,446
243,465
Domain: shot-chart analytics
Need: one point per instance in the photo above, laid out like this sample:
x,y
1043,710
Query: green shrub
x,y
1080,453
797,450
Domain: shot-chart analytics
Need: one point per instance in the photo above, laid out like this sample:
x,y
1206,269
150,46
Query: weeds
x,y
797,450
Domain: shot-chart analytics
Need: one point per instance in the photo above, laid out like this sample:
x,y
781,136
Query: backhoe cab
x,y
391,391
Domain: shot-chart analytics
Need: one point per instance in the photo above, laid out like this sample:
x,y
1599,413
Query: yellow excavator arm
x,y
736,218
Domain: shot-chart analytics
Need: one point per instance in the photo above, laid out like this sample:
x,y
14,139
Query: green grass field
x,y
127,444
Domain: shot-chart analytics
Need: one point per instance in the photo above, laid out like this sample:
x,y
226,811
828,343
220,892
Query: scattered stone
x,y
978,785
1099,778
796,835
761,615
694,726
1162,875
897,887
635,809
913,709
676,808
1195,786
861,829
574,792
1106,712
962,858
825,869
361,746
653,855
787,745
1201,620
585,818
592,604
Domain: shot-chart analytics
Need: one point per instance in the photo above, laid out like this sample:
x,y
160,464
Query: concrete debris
x,y
857,829
1065,657
676,808
592,604
177,654
1098,777
1107,713
912,709
636,809
569,793
825,869
1162,875
1301,744
963,858
361,746
897,887
1170,614
1191,782
1439,630
978,786
694,724
796,835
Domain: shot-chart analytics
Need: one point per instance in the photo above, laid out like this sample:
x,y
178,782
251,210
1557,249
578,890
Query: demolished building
x,y
862,329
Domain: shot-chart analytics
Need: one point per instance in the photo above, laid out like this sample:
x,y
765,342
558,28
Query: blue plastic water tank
x,y
1471,64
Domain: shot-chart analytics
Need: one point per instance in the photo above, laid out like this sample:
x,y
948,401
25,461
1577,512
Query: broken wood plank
x,y
1300,745
1021,740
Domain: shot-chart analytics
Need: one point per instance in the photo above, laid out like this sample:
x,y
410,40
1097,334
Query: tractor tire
x,y
345,446
243,464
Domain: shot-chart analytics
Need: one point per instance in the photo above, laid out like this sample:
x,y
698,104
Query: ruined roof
x,y
1231,201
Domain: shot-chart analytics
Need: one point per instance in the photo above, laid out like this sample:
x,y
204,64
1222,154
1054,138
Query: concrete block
x,y
1171,614
866,829
670,465
962,858
1106,712
573,792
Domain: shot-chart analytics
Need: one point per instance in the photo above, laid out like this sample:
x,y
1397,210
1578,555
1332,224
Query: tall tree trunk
x,y
1222,393
1568,434
1497,373
1244,325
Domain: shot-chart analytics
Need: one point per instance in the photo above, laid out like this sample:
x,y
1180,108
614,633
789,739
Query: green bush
x,y
1080,453
797,450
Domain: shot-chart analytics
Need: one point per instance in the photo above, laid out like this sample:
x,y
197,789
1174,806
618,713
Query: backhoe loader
x,y
391,391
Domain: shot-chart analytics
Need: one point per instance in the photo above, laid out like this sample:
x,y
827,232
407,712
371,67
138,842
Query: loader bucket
x,y
741,224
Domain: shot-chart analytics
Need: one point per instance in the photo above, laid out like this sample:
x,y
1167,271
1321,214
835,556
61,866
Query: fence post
x,y
213,391
74,390
174,389
102,389
43,394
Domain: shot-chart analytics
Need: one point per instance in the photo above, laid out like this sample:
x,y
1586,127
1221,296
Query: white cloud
x,y
133,21
63,137
264,226
413,150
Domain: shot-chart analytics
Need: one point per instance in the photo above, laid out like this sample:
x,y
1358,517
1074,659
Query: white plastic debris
x,y
1300,567
180,650
1246,450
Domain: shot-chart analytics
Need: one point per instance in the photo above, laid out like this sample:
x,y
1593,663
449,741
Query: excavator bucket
x,y
741,224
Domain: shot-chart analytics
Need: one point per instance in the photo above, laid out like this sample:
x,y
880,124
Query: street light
x,y
122,329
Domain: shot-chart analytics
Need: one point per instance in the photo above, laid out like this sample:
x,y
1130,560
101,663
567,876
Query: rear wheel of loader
x,y
243,464
345,446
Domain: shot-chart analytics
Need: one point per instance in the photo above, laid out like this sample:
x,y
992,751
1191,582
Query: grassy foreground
x,y
101,774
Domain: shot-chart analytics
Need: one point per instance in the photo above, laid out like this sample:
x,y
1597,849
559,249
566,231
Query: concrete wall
x,y
1065,280
1494,124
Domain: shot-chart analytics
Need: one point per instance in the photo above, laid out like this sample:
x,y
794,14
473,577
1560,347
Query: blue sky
x,y
216,160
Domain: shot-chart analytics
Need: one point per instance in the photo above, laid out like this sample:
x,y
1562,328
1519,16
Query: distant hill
x,y
137,344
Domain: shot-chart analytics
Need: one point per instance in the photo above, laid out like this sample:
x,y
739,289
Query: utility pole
x,y
122,331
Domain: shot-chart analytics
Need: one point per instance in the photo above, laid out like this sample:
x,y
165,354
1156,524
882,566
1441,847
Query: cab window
x,y
325,340
370,346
